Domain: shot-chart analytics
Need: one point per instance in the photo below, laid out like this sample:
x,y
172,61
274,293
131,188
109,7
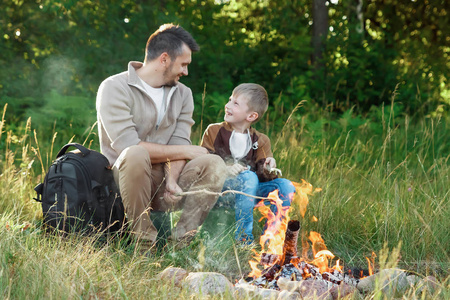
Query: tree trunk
x,y
320,31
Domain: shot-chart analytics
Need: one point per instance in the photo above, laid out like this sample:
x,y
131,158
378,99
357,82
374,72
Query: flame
x,y
338,267
272,240
255,273
318,244
371,262
302,190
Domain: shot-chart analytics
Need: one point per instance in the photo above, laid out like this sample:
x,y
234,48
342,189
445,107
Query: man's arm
x,y
163,153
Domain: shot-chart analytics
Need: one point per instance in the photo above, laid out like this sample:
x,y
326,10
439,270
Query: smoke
x,y
60,74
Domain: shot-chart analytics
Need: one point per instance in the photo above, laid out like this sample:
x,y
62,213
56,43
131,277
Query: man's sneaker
x,y
146,248
183,241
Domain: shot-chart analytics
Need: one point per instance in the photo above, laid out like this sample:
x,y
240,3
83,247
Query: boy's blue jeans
x,y
247,182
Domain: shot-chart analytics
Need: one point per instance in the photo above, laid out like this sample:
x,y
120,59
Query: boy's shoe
x,y
184,240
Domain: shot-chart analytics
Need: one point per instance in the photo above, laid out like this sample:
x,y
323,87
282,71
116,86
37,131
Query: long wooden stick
x,y
205,191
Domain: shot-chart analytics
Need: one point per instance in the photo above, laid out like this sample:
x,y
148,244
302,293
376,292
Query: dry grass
x,y
376,192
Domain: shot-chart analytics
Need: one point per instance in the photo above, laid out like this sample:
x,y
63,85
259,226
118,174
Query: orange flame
x,y
273,238
255,273
302,190
338,267
272,241
321,260
371,262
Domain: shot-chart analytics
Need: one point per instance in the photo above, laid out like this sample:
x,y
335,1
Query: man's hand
x,y
172,188
235,169
172,171
193,151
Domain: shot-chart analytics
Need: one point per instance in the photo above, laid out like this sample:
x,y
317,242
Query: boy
x,y
248,155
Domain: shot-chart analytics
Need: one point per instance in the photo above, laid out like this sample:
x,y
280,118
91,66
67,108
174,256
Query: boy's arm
x,y
208,140
264,158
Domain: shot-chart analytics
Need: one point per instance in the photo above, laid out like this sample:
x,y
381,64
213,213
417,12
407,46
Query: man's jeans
x,y
247,182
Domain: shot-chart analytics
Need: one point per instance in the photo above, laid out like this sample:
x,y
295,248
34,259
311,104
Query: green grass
x,y
385,183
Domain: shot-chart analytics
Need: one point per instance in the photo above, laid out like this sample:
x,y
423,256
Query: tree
x,y
320,32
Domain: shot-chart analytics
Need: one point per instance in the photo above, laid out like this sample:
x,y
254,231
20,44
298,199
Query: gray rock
x,y
285,284
207,283
314,289
392,282
429,283
243,290
342,290
286,295
171,274
268,294
413,280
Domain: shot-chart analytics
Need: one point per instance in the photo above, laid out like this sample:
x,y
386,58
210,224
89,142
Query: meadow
x,y
384,180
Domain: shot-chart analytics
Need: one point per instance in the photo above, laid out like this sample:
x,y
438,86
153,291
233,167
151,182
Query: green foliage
x,y
71,46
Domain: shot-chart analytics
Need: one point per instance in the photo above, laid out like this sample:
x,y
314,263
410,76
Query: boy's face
x,y
237,111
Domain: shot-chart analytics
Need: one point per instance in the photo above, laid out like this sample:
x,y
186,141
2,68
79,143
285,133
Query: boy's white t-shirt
x,y
240,144
157,94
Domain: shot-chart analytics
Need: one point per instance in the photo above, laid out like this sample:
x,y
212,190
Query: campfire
x,y
281,263
280,271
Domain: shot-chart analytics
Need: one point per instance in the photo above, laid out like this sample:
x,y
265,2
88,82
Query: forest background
x,y
359,104
338,55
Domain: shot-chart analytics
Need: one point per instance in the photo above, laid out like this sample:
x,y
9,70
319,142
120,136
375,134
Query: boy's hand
x,y
235,169
270,163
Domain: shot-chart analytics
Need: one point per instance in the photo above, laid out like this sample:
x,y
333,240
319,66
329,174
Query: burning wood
x,y
290,267
290,241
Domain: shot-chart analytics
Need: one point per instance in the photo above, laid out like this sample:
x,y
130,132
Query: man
x,y
145,119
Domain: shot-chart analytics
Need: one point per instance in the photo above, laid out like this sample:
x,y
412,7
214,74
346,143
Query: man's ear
x,y
252,117
164,59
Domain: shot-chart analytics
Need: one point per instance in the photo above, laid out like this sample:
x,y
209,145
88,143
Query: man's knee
x,y
214,168
134,157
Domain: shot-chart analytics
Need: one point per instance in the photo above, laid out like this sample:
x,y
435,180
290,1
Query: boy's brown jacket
x,y
217,140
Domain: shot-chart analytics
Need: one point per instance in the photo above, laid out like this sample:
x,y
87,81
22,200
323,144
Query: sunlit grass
x,y
378,190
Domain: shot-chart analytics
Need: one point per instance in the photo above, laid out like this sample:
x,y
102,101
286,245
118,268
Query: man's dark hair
x,y
169,38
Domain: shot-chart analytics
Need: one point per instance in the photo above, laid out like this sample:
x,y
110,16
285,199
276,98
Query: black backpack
x,y
79,193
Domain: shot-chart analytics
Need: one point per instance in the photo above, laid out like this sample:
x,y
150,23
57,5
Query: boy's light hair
x,y
256,96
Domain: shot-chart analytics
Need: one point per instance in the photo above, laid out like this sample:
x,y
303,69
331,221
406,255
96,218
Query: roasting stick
x,y
205,191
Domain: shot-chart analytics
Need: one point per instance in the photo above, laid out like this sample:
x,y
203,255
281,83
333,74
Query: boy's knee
x,y
249,178
286,190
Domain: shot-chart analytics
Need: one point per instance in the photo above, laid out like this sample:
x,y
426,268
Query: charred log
x,y
271,272
268,259
290,241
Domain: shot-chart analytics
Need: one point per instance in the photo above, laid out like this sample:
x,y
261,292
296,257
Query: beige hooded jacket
x,y
127,115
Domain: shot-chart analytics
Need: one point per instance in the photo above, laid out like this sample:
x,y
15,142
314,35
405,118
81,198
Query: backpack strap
x,y
84,151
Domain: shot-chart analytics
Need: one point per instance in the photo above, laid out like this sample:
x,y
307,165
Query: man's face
x,y
236,110
177,67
